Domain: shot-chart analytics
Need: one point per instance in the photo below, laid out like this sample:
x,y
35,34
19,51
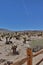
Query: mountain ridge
x,y
6,30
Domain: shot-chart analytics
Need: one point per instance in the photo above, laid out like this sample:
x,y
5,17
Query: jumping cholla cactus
x,y
14,49
0,39
8,63
24,40
8,40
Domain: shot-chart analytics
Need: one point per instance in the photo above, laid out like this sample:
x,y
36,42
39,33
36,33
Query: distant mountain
x,y
4,30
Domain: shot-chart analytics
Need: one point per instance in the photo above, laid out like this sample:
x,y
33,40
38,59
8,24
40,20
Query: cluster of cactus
x,y
8,63
40,34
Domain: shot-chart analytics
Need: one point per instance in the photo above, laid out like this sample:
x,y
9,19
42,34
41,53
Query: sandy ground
x,y
6,52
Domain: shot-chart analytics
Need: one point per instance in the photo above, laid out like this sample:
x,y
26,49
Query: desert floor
x,y
6,51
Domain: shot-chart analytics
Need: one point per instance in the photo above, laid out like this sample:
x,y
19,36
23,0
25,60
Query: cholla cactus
x,y
14,49
8,63
7,41
0,39
24,40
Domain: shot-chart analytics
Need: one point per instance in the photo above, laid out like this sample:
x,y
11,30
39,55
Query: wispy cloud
x,y
25,7
28,11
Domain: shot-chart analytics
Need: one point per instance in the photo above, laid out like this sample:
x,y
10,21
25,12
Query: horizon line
x,y
21,29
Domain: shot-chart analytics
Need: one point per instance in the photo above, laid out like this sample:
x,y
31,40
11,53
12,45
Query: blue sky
x,y
21,14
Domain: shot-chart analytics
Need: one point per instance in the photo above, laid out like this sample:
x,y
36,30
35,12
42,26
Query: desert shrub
x,y
37,45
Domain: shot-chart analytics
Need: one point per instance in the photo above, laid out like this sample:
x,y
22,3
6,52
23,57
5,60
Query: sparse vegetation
x,y
37,45
21,39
